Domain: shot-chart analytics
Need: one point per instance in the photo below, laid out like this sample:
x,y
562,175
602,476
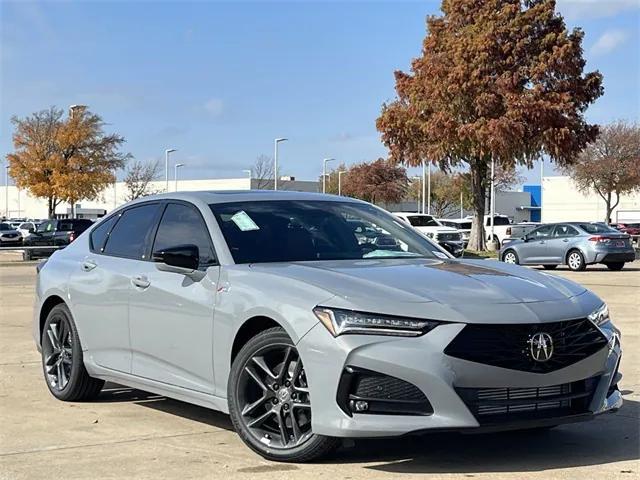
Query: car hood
x,y
392,285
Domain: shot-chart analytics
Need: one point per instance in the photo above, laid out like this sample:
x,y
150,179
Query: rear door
x,y
101,287
559,243
171,314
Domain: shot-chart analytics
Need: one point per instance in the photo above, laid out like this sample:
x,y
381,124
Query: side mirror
x,y
179,259
526,238
31,230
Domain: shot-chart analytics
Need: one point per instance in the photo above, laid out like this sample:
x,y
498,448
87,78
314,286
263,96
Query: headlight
x,y
600,316
340,322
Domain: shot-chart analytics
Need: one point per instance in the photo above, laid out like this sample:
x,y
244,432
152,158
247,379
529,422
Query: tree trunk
x,y
51,207
478,193
607,201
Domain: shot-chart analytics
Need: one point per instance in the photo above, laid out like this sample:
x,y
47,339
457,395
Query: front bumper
x,y
421,362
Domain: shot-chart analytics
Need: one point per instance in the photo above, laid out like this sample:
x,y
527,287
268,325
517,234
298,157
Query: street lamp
x,y
175,174
340,181
324,173
420,185
275,161
6,191
166,168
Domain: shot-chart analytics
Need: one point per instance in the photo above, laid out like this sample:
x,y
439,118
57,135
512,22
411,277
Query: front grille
x,y
500,405
382,394
448,237
508,346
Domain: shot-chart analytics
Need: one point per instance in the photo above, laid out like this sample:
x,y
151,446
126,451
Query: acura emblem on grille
x,y
541,347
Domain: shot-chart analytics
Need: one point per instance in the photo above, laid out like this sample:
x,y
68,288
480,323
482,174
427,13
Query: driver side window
x,y
542,232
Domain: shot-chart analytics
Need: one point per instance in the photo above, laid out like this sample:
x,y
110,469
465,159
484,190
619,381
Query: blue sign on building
x,y
536,201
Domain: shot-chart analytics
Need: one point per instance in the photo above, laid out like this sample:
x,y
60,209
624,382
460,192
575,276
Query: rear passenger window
x,y
99,234
132,234
180,225
65,226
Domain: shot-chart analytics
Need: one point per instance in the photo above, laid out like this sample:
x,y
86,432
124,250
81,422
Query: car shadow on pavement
x,y
606,439
112,393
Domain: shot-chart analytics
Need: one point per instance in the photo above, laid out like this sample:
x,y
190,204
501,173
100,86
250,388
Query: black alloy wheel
x,y
269,400
62,361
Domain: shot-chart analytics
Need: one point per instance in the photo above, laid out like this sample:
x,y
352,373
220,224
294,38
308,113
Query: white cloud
x,y
609,41
583,9
214,107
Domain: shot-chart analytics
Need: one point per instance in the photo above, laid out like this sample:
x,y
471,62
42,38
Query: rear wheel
x,y
269,400
62,361
575,261
549,267
616,266
510,257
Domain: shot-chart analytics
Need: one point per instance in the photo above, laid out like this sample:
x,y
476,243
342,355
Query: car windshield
x,y
302,230
597,228
422,221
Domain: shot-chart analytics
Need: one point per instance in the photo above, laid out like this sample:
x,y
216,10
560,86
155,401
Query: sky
x,y
219,81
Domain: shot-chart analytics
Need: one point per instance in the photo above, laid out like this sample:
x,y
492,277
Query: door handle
x,y
140,281
88,265
565,240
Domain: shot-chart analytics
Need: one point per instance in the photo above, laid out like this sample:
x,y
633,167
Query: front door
x,y
536,248
171,314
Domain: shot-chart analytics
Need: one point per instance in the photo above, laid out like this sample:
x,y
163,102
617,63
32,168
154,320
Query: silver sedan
x,y
575,244
269,306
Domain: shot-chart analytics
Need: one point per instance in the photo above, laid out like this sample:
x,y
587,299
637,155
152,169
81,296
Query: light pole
x,y
541,183
324,173
340,181
429,189
424,186
420,179
275,161
6,192
492,206
175,173
166,168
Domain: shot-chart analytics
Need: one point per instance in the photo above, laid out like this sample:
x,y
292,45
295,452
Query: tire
x,y
26,255
510,256
63,368
575,261
615,266
549,267
268,397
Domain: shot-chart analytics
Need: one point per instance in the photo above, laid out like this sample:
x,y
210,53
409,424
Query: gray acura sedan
x,y
268,306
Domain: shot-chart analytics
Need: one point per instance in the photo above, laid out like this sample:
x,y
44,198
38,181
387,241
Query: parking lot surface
x,y
132,434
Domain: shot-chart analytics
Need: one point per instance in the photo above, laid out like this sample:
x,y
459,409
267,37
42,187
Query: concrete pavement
x,y
133,434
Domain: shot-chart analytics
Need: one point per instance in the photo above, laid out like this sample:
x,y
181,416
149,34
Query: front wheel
x,y
269,400
510,257
616,266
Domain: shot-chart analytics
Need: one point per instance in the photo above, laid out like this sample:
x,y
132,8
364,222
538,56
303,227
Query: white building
x,y
563,202
22,205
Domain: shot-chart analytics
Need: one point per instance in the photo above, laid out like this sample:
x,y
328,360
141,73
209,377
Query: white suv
x,y
431,227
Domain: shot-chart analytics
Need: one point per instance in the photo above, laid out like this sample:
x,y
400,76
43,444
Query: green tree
x,y
497,79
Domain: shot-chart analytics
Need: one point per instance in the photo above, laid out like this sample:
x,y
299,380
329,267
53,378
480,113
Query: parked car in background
x,y
628,228
27,228
448,238
462,225
54,233
575,244
9,236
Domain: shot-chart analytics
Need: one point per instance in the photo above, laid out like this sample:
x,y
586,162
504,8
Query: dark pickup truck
x,y
53,233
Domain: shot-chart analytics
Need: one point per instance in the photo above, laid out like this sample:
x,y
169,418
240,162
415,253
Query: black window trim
x,y
165,204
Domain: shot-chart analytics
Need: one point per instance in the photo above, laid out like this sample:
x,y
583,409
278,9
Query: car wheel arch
x,y
47,306
249,329
574,249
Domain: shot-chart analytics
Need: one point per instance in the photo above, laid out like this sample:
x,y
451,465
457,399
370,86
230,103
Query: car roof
x,y
227,196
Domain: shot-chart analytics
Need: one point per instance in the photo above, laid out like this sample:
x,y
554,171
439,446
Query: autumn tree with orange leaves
x,y
500,79
64,159
377,181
